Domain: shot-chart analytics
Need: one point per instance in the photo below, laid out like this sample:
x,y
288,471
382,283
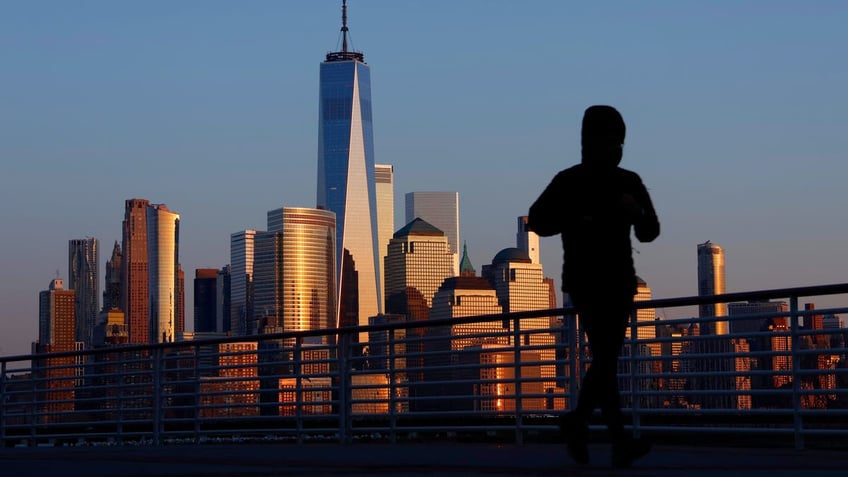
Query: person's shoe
x,y
576,434
627,451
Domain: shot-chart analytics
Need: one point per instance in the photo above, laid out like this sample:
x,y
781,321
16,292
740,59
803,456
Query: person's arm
x,y
546,214
646,225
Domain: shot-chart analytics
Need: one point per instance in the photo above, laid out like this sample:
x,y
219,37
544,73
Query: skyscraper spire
x,y
345,55
344,26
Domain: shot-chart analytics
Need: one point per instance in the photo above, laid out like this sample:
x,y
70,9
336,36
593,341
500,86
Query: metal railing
x,y
508,374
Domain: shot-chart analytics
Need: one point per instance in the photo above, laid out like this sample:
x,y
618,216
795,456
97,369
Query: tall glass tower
x,y
346,170
83,279
440,209
163,238
711,282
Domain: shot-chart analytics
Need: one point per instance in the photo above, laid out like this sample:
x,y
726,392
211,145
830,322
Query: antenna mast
x,y
345,54
344,26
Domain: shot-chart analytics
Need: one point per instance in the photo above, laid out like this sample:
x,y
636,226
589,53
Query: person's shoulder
x,y
572,171
628,175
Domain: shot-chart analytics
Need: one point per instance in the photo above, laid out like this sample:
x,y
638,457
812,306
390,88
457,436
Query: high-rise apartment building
x,y
526,240
440,209
56,333
112,289
205,299
294,265
419,260
346,172
135,296
163,238
57,318
384,185
711,282
84,280
241,281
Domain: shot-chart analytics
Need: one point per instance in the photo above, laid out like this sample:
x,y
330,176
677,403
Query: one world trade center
x,y
346,179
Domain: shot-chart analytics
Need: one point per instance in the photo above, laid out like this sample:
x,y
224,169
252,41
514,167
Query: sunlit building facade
x,y
56,333
384,185
440,209
711,281
84,280
521,286
346,184
135,297
419,260
163,238
468,296
527,241
294,270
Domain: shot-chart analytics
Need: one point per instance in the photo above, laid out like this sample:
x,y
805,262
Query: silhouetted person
x,y
592,205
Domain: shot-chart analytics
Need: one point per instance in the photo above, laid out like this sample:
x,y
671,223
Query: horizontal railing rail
x,y
506,374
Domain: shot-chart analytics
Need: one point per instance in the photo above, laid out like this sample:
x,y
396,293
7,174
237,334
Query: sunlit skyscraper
x,y
294,266
384,181
163,238
134,280
440,209
84,280
419,260
346,183
527,240
521,286
711,282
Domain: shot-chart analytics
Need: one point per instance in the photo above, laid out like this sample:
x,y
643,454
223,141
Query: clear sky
x,y
737,114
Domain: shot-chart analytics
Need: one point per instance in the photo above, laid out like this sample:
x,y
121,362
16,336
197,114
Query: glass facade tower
x,y
83,279
711,282
440,209
294,270
346,171
241,281
163,232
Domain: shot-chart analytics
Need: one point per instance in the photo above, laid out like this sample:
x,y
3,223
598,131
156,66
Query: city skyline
x,y
734,125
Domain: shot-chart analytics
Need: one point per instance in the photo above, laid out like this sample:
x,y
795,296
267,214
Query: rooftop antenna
x,y
344,26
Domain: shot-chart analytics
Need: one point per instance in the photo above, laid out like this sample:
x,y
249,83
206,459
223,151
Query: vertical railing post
x,y
197,396
796,376
573,351
516,337
634,371
344,387
34,400
3,400
157,396
390,350
298,387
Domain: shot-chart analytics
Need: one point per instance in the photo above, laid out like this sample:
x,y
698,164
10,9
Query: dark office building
x,y
205,299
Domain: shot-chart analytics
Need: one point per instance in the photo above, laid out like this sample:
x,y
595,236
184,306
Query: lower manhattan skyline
x,y
734,113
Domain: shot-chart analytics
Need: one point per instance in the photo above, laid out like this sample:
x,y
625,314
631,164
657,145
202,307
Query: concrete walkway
x,y
406,460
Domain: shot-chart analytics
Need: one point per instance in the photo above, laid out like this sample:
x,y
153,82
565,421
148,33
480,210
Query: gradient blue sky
x,y
736,114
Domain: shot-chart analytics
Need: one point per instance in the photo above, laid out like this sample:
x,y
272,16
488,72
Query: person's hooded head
x,y
602,136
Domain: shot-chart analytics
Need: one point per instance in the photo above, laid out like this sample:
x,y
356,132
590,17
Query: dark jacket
x,y
584,205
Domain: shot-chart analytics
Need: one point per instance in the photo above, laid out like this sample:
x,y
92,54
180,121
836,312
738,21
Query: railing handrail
x,y
815,290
